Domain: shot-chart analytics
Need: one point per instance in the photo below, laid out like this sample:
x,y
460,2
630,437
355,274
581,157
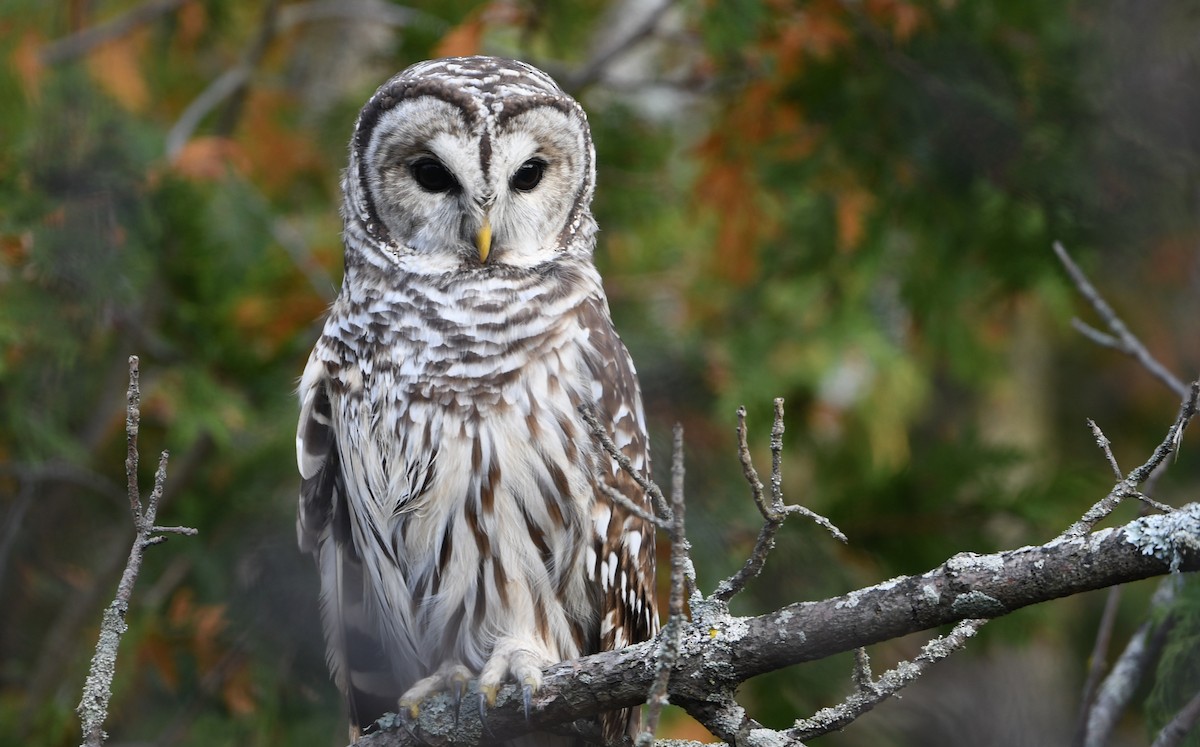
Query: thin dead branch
x,y
1105,446
1181,725
774,512
600,433
97,690
680,572
1121,339
593,70
1097,662
1139,655
872,693
1128,488
81,42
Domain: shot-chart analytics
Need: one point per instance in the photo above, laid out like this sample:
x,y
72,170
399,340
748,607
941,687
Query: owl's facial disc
x,y
465,190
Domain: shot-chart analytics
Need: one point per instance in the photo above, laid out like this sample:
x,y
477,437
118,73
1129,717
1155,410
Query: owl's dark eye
x,y
528,176
433,176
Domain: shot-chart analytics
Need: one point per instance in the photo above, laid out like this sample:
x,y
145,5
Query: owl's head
x,y
470,162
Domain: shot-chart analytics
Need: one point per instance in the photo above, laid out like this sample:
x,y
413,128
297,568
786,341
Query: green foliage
x,y
846,204
1177,679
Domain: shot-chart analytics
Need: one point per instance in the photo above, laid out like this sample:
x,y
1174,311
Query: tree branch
x,y
97,690
718,653
774,512
1122,339
82,42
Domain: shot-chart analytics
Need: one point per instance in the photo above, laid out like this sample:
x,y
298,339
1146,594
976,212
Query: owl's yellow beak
x,y
483,240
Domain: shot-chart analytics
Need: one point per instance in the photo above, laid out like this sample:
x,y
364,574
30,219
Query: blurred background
x,y
846,203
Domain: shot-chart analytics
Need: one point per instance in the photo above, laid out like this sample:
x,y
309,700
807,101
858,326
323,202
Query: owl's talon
x,y
526,699
483,706
458,688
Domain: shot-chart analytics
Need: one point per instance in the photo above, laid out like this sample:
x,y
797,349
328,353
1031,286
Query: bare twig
x,y
224,86
861,676
888,684
276,20
668,650
1139,656
777,457
1128,487
230,85
97,691
82,42
1123,340
1181,725
1105,446
1098,662
593,69
774,512
133,414
626,503
601,435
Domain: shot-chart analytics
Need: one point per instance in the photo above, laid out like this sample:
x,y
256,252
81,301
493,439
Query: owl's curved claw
x,y
458,688
526,699
483,706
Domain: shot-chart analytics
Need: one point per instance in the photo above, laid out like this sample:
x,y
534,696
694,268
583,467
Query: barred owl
x,y
457,507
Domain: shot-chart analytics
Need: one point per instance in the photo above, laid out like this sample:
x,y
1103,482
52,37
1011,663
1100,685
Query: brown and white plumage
x,y
452,495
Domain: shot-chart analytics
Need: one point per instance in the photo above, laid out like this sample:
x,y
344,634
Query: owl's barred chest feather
x,y
472,471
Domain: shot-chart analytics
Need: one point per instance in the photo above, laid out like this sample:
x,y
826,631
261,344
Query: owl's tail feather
x,y
360,666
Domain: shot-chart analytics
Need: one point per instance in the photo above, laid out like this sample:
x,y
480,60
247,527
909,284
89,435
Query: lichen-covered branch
x,y
717,653
1129,486
873,692
1139,655
97,689
681,572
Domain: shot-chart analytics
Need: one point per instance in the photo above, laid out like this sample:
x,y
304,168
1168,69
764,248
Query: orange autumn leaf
x,y
180,609
853,206
26,61
275,152
464,39
15,248
114,66
902,17
208,622
207,159
726,191
824,29
237,691
190,24
160,655
270,321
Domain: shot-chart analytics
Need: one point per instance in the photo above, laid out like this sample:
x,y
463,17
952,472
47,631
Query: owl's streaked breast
x,y
443,382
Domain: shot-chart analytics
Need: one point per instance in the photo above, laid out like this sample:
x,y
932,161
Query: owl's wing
x,y
356,660
624,543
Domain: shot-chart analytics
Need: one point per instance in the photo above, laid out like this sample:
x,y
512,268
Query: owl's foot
x,y
515,659
452,677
